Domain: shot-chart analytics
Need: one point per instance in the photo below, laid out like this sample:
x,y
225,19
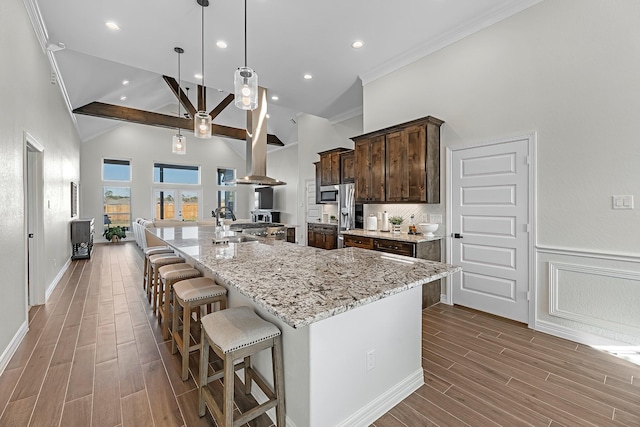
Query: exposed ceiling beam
x,y
182,97
132,115
223,104
202,98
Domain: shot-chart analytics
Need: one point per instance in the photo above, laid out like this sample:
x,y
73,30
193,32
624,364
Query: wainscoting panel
x,y
594,294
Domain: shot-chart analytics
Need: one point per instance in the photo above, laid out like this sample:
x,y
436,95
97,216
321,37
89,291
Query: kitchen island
x,y
350,318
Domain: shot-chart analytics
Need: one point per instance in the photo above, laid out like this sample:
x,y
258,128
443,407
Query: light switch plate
x,y
622,202
435,219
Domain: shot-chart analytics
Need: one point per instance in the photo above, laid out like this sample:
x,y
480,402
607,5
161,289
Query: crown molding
x,y
467,28
346,115
36,21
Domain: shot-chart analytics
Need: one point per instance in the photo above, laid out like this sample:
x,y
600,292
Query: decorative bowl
x,y
428,228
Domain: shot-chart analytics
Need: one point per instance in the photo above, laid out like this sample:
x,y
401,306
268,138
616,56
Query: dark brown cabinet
x,y
410,163
291,234
330,166
347,167
323,236
358,242
425,250
370,169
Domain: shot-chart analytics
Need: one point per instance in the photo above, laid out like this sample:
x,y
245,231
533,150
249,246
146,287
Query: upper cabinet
x,y
347,167
330,166
400,163
370,169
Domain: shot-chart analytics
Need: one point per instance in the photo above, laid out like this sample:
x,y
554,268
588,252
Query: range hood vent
x,y
257,145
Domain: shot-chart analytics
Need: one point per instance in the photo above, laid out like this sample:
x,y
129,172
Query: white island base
x,y
325,363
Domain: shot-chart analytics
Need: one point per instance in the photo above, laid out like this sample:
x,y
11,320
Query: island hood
x,y
257,145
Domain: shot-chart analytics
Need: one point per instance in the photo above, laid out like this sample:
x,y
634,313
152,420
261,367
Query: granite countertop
x,y
300,284
402,237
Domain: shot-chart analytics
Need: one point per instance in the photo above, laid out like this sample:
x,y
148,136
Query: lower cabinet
x,y
425,250
323,236
291,234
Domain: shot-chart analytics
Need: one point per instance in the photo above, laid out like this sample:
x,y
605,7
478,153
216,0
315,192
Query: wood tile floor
x,y
94,356
481,370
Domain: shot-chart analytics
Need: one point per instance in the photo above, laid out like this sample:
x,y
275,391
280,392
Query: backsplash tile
x,y
421,213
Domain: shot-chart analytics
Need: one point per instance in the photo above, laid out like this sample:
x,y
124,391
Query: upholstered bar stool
x,y
155,262
238,333
190,295
155,250
169,275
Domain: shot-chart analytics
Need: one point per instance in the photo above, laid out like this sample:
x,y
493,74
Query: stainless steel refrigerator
x,y
346,210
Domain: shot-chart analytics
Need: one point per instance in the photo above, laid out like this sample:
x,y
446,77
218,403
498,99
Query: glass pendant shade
x,y
202,125
246,88
179,145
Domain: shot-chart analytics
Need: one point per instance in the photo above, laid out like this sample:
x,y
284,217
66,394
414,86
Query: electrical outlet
x,y
435,219
622,202
371,359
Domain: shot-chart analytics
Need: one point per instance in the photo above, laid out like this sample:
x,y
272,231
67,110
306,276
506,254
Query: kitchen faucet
x,y
218,211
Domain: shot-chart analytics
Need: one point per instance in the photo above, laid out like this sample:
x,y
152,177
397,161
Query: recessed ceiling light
x,y
125,82
221,44
112,25
357,44
275,97
198,76
308,76
122,98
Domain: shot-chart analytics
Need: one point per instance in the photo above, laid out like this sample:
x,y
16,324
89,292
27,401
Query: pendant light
x,y
202,120
245,79
179,145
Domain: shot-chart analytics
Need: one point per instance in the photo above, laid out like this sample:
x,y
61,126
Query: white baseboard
x,y
56,279
366,415
445,299
575,335
8,352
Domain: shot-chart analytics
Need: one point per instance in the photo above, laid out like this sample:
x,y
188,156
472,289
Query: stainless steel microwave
x,y
329,194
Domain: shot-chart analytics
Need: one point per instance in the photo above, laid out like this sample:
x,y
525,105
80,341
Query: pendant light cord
x,y
245,33
203,45
179,92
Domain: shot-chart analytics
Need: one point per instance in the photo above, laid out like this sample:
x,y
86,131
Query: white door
x,y
490,228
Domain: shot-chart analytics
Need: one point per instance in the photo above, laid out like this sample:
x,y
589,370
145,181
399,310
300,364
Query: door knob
x,y
457,236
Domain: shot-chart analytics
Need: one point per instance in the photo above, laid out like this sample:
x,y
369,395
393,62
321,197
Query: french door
x,y
177,204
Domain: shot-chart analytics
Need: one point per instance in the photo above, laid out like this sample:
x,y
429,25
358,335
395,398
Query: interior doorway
x,y
34,220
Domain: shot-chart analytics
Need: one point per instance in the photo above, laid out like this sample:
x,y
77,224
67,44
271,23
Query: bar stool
x,y
238,333
155,262
154,250
169,275
189,295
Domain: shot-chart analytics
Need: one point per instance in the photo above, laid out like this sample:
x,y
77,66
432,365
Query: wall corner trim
x,y
8,352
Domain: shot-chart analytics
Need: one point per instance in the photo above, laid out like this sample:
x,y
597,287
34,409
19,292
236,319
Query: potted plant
x,y
114,234
395,221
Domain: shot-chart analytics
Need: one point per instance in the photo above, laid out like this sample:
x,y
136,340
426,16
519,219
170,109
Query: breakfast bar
x,y
350,318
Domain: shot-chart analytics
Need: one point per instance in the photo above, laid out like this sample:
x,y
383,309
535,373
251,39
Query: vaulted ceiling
x,y
286,39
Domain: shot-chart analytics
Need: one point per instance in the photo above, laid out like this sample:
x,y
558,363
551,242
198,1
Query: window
x,y
226,176
117,206
176,174
227,199
116,170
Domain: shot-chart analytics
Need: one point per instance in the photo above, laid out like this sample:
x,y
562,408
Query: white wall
x,y
282,164
144,145
317,134
30,103
568,70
